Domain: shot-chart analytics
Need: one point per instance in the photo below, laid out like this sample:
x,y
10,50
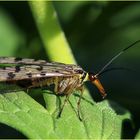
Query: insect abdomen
x,y
61,84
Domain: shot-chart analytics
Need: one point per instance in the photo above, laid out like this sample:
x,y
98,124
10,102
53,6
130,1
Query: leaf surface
x,y
23,113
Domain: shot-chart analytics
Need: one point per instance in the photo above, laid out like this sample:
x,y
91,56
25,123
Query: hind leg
x,y
81,89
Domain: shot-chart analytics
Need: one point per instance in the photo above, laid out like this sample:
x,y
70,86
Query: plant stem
x,y
52,35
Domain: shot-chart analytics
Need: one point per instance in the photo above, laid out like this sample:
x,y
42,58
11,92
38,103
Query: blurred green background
x,y
96,31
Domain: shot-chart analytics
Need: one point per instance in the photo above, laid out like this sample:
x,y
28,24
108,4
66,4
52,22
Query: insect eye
x,y
92,77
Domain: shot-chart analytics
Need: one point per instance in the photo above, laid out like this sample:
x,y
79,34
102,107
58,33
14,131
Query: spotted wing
x,y
26,71
17,60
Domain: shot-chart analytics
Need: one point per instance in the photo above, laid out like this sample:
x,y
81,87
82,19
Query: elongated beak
x,y
98,84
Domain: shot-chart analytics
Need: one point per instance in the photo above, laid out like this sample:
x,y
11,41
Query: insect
x,y
67,78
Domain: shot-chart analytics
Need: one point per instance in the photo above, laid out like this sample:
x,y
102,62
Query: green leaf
x,y
23,113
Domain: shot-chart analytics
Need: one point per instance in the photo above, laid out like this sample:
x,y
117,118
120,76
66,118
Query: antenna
x,y
116,69
116,56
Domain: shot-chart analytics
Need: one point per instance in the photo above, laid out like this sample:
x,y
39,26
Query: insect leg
x,y
56,85
65,101
79,101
